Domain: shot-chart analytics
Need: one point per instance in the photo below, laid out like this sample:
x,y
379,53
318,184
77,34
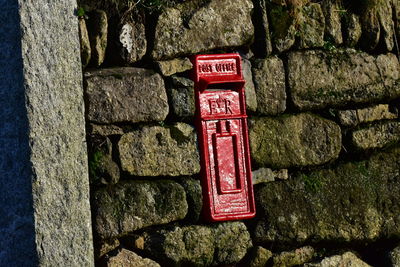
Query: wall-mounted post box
x,y
221,123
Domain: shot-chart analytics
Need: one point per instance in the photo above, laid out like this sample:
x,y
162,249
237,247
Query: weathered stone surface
x,y
371,29
129,206
44,201
283,19
376,136
198,26
97,25
104,130
104,247
351,29
176,65
293,258
86,51
353,117
127,258
341,204
194,198
232,240
294,140
132,41
332,13
125,95
269,80
311,26
197,245
319,79
102,168
262,38
259,257
160,151
265,175
346,259
249,89
385,16
181,95
394,256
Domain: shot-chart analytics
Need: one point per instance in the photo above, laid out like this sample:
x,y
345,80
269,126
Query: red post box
x,y
221,123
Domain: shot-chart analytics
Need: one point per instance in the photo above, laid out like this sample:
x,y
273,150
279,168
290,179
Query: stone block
x,y
294,140
133,205
353,117
125,95
197,26
294,258
269,80
44,201
333,28
259,256
311,26
194,198
249,89
173,66
127,258
376,136
199,245
160,151
86,50
181,95
345,259
342,204
97,26
319,79
351,29
132,41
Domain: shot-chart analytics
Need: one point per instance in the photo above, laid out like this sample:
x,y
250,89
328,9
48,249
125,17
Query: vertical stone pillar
x,y
44,191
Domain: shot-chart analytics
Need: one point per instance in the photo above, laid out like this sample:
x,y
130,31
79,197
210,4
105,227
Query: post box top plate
x,y
217,68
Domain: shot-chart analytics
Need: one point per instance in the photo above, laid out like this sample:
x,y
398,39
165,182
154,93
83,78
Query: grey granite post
x,y
44,192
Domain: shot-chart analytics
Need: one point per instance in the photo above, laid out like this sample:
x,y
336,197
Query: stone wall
x,y
322,88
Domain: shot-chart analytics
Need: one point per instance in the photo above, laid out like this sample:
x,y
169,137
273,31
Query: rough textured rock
x,y
293,258
319,79
176,65
85,43
198,26
194,198
384,13
129,206
127,258
196,245
132,41
259,257
347,259
104,247
181,96
283,21
160,151
125,95
45,212
341,204
394,256
249,89
371,29
102,168
265,175
294,140
352,29
332,13
97,25
262,38
269,80
311,26
104,130
353,117
376,136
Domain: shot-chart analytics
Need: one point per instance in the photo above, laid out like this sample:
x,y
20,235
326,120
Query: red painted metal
x,y
221,123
